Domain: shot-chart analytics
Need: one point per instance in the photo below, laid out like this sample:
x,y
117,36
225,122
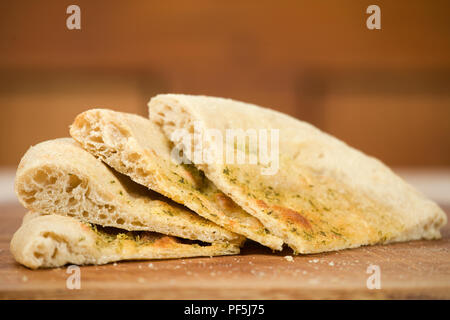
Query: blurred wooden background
x,y
384,91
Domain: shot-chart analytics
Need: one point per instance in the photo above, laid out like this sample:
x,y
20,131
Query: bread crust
x,y
325,196
48,241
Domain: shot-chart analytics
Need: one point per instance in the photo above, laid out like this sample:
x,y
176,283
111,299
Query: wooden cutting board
x,y
417,269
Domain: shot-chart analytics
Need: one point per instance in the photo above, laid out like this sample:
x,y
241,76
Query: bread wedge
x,y
136,147
322,195
46,241
60,177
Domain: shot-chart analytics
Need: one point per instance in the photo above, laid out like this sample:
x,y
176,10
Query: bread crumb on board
x,y
289,258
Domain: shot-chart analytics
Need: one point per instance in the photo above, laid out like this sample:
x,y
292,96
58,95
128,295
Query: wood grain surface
x,y
417,269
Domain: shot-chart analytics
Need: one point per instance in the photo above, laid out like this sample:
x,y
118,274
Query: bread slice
x,y
46,241
60,177
136,147
324,194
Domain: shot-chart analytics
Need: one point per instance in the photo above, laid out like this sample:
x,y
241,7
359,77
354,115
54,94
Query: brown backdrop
x,y
385,91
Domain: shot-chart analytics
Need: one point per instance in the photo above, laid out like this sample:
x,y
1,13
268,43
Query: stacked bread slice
x,y
84,212
136,147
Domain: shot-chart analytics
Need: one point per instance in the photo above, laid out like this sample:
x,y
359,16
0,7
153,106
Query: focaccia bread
x,y
60,177
138,148
46,241
324,194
